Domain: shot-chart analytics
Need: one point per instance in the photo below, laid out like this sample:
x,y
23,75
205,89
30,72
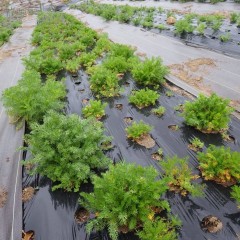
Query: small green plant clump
x,y
66,149
179,177
124,198
220,164
196,144
225,37
159,111
183,26
208,114
235,194
95,109
138,130
150,72
201,28
30,99
143,98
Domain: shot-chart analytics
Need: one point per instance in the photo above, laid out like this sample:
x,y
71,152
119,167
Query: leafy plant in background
x,y
138,130
225,37
235,193
161,27
220,164
234,17
66,149
216,25
159,111
143,98
30,99
179,177
183,26
160,229
95,109
73,65
6,28
150,72
208,114
104,82
120,50
124,198
201,28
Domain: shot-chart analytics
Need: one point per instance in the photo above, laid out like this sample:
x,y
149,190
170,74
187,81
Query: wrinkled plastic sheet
x,y
51,214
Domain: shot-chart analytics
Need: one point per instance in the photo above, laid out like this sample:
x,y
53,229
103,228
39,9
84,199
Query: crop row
x,y
6,28
168,20
68,149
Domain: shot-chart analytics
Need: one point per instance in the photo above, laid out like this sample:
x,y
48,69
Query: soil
x,y
3,197
173,127
128,120
82,215
85,101
146,141
27,194
193,71
195,149
119,106
28,235
211,224
156,156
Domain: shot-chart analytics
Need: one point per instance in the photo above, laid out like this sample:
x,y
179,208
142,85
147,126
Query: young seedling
x,y
159,111
143,98
139,132
235,194
225,37
196,144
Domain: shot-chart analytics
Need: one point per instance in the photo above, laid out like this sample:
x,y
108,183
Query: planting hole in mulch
x,y
29,235
3,197
179,108
107,145
146,140
211,224
77,82
27,194
119,106
81,215
173,127
81,90
195,149
128,120
127,84
74,75
123,229
85,100
156,156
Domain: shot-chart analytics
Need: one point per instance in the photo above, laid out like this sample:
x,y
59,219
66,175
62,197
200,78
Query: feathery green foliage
x,y
159,229
220,164
30,99
137,130
66,149
179,177
124,197
104,82
95,109
144,97
150,72
6,28
208,114
159,111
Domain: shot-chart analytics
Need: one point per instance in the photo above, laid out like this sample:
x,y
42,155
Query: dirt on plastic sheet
x,y
52,214
3,197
